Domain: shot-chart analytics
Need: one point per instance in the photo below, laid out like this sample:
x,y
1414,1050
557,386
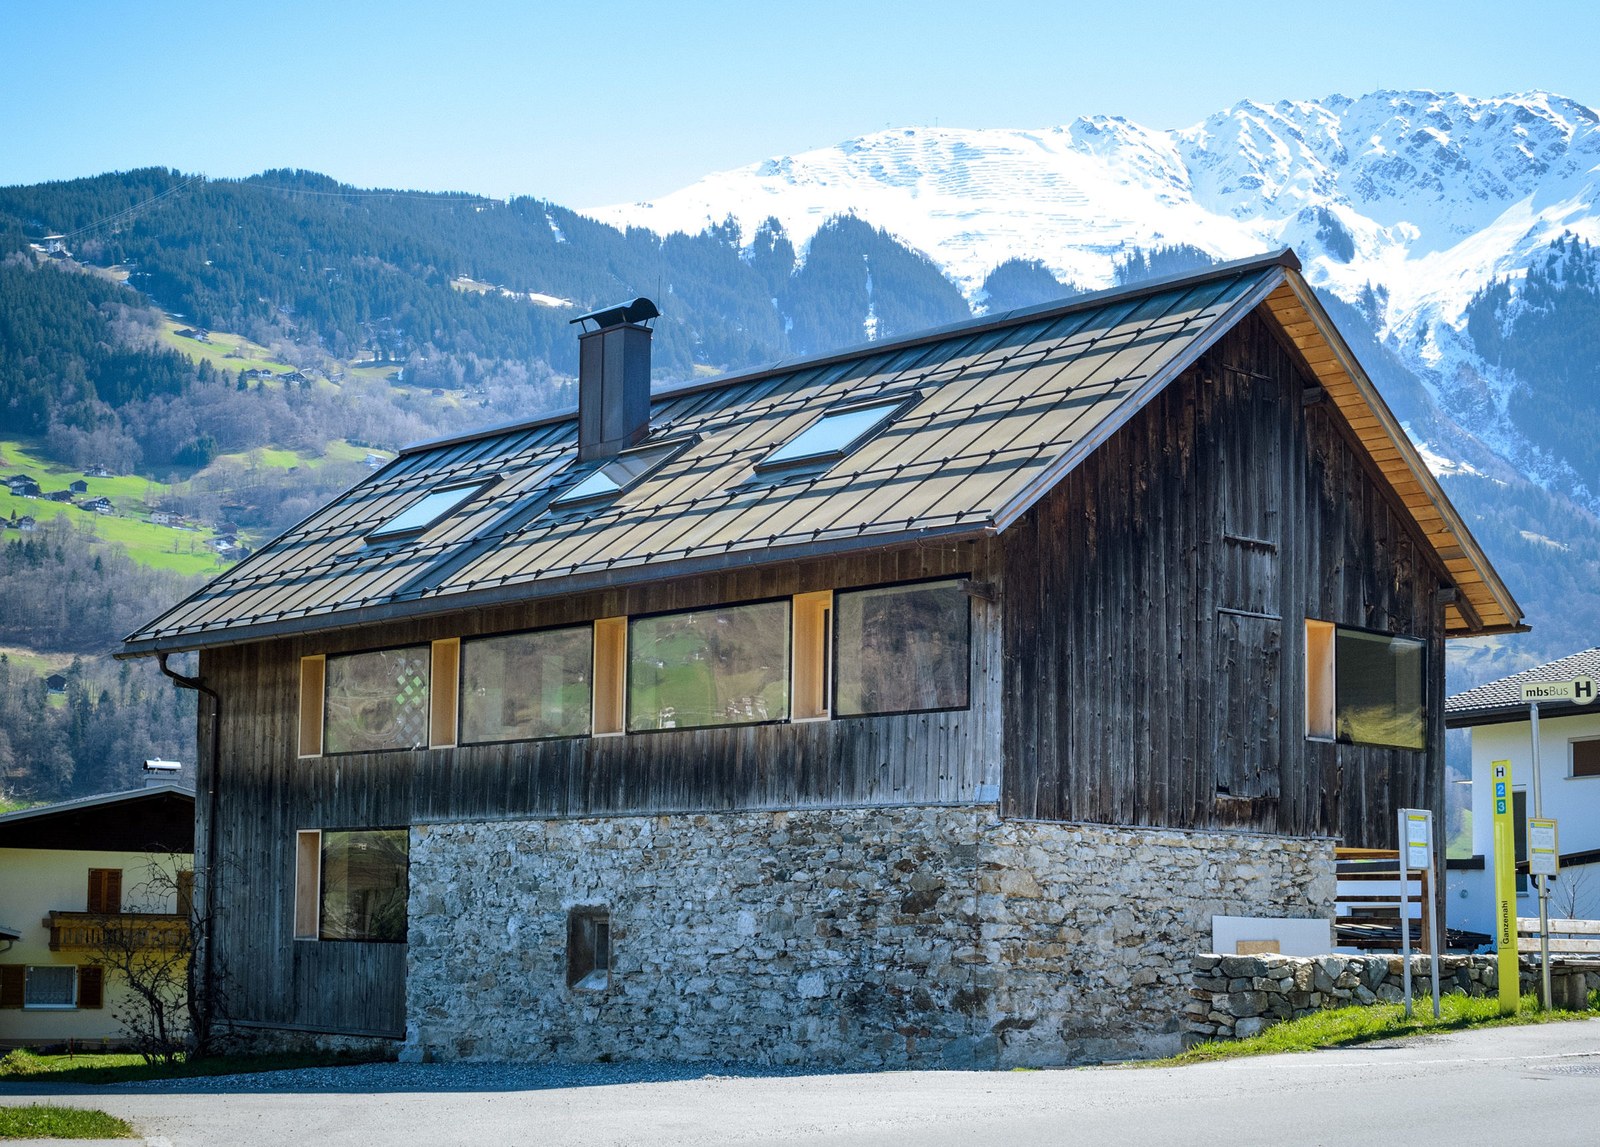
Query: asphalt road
x,y
1537,1085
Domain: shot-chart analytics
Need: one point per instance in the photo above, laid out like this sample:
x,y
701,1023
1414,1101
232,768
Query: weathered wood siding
x,y
1155,610
267,793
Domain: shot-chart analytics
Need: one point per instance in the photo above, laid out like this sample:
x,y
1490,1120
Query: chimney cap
x,y
638,311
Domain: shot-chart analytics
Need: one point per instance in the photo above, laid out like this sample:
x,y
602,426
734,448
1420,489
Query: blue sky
x,y
587,103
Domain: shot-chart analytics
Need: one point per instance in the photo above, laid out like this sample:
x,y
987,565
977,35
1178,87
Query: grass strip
x,y
1345,1027
48,1122
114,1067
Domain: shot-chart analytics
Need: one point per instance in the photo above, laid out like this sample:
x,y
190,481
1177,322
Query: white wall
x,y
1573,801
33,881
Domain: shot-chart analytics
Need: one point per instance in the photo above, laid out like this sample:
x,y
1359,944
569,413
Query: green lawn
x,y
34,662
118,1067
48,1122
160,546
224,351
1342,1027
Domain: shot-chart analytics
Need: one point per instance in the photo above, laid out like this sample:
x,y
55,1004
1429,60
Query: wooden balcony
x,y
86,931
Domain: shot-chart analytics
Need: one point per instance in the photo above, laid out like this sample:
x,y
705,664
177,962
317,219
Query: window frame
x,y
426,648
314,882
587,922
1572,759
896,405
27,983
1329,673
566,499
961,580
788,665
461,686
382,534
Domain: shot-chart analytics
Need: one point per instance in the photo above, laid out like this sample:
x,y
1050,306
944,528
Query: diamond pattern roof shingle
x,y
998,411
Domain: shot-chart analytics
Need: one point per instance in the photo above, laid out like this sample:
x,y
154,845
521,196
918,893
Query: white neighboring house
x,y
1569,766
64,868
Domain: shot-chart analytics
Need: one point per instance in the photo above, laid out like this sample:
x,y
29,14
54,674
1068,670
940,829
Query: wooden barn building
x,y
917,704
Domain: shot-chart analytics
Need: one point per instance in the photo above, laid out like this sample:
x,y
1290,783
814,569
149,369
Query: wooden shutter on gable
x,y
105,890
91,986
12,979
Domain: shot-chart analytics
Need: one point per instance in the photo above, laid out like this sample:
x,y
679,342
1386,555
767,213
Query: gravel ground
x,y
401,1077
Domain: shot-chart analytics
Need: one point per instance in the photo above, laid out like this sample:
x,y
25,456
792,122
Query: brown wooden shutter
x,y
12,979
105,890
91,986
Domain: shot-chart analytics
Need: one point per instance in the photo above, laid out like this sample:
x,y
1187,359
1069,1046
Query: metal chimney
x,y
614,379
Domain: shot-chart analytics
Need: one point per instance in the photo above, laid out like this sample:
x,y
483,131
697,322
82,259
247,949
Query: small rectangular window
x,y
312,673
589,949
307,883
902,648
51,986
1365,688
105,891
444,676
610,675
835,434
377,701
813,613
365,881
425,511
1586,758
728,665
527,686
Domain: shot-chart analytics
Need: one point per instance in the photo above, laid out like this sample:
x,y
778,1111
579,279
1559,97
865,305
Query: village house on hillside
x,y
1569,767
70,871
916,704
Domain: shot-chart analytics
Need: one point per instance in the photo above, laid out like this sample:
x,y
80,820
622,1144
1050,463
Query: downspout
x,y
208,917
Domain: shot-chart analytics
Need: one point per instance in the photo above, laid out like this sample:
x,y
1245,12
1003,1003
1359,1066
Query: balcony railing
x,y
86,931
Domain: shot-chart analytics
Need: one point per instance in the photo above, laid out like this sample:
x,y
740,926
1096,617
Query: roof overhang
x,y
1484,604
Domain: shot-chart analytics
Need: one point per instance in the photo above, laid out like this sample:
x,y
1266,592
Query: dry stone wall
x,y
882,937
1233,997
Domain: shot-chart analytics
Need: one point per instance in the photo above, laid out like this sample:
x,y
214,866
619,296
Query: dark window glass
x,y
1378,683
377,701
589,949
723,666
902,648
364,885
1586,758
526,686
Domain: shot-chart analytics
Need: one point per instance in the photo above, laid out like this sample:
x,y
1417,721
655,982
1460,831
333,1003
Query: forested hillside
x,y
238,346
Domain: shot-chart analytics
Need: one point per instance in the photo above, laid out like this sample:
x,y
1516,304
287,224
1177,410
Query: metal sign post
x,y
1580,691
1505,889
1416,852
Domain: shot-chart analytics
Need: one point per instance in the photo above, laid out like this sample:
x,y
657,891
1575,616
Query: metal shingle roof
x,y
1004,408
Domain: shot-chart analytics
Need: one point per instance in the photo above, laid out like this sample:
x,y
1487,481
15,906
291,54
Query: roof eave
x,y
1403,446
564,585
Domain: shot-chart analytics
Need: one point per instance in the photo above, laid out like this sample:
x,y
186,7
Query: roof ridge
x,y
977,324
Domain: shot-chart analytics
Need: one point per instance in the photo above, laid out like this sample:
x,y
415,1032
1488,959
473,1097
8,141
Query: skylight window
x,y
616,474
426,511
834,435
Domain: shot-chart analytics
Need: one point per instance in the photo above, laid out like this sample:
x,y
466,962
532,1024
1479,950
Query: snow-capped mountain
x,y
1405,205
1428,195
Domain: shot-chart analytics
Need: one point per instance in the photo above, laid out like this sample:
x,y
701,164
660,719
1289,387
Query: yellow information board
x,y
1505,884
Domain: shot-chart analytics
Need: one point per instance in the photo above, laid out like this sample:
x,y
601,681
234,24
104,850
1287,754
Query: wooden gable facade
x,y
1139,577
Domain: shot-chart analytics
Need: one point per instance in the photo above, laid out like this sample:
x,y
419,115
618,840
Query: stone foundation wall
x,y
851,937
1232,997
